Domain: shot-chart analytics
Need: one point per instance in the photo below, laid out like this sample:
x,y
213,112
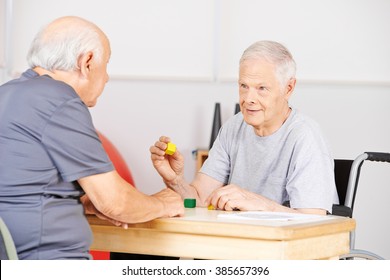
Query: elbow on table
x,y
131,209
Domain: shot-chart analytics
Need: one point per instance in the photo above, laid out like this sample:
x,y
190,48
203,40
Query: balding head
x,y
59,45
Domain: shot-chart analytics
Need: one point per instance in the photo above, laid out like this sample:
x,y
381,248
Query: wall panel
x,y
152,39
332,41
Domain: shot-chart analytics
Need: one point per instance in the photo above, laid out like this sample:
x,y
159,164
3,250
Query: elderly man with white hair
x,y
53,167
268,157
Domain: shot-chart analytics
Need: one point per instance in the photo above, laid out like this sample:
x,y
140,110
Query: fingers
x,y
232,205
164,139
125,226
158,150
223,202
119,224
227,204
156,153
217,198
224,198
114,222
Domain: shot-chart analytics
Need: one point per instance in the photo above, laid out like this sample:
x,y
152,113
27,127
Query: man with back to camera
x,y
269,157
51,154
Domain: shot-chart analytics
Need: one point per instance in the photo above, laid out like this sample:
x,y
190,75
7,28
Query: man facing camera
x,y
269,157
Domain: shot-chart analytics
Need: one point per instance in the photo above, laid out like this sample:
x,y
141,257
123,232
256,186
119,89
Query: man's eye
x,y
262,90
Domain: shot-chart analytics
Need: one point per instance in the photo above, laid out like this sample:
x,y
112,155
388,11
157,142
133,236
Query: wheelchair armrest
x,y
341,210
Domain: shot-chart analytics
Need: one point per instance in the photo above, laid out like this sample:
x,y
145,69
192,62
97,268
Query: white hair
x,y
276,54
60,50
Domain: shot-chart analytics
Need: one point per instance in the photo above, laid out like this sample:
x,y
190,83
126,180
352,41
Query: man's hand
x,y
170,167
232,197
173,204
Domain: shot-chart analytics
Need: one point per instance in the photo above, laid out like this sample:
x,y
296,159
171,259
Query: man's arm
x,y
89,208
232,197
200,189
118,200
171,169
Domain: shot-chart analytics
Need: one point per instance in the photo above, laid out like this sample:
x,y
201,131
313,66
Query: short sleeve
x,y
73,144
217,165
311,178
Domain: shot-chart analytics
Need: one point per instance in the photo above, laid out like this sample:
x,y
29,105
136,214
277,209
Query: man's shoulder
x,y
234,126
305,130
235,121
302,122
41,90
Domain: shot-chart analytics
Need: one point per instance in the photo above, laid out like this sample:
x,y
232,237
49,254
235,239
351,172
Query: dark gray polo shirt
x,y
47,142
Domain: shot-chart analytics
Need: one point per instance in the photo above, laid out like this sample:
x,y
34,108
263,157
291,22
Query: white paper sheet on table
x,y
272,216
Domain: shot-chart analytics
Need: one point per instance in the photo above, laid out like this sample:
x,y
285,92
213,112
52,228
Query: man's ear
x,y
84,63
290,88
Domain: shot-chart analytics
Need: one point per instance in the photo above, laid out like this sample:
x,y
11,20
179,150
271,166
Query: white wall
x,y
352,110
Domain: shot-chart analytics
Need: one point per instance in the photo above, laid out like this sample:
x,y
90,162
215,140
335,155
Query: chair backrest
x,y
347,173
342,168
7,245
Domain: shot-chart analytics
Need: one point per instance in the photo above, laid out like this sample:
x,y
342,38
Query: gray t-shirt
x,y
293,164
47,142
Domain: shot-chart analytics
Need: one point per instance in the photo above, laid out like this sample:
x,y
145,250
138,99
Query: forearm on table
x,y
270,205
118,200
132,206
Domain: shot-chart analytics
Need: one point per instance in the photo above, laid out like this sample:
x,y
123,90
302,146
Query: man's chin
x,y
252,121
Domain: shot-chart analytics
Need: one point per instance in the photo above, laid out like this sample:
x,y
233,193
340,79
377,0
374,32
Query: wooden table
x,y
202,234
